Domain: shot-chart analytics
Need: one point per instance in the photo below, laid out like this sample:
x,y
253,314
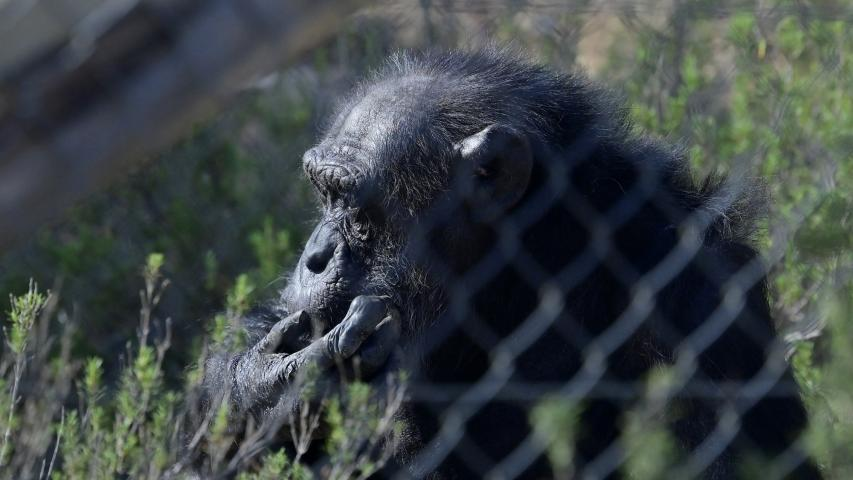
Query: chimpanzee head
x,y
420,171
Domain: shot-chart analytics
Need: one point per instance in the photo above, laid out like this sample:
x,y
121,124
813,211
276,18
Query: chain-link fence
x,y
490,268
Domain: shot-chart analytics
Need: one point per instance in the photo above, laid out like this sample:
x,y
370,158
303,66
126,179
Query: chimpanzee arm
x,y
262,382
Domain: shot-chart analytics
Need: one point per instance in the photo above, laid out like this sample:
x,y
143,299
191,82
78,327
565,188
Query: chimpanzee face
x,y
349,249
363,241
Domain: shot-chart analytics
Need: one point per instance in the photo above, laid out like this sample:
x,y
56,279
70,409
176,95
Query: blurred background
x,y
176,128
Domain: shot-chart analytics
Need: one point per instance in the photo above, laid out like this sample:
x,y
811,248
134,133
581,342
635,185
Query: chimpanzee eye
x,y
358,224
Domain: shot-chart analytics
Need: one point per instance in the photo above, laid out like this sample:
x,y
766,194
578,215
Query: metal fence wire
x,y
614,318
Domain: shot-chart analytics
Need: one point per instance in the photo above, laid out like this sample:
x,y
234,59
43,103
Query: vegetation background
x,y
94,374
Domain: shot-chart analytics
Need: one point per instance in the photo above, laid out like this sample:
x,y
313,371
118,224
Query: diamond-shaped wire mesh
x,y
647,341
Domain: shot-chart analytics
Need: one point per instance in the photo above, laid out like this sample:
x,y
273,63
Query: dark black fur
x,y
612,243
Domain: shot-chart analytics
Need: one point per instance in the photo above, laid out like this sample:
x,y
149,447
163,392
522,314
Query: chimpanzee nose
x,y
320,248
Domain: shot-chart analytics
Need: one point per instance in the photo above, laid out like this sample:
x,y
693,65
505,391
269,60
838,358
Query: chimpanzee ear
x,y
498,162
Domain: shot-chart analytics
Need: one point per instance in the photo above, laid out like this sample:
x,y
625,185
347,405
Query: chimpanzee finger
x,y
374,353
288,335
295,339
340,343
365,313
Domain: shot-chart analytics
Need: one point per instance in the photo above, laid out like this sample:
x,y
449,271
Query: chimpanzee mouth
x,y
333,311
327,300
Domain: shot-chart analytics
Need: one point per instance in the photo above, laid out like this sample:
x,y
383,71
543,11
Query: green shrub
x,y
753,90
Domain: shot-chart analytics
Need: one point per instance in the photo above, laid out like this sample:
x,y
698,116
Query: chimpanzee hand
x,y
268,377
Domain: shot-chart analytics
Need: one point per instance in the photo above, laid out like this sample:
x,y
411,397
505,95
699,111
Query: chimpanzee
x,y
500,231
